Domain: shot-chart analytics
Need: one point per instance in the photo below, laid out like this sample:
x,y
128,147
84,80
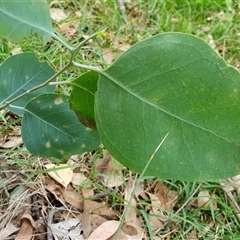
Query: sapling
x,y
172,84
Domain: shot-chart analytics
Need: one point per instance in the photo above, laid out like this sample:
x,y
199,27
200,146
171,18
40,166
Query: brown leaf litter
x,y
64,201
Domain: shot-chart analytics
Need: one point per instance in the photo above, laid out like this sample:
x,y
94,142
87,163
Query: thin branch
x,y
71,49
73,52
60,83
95,69
13,106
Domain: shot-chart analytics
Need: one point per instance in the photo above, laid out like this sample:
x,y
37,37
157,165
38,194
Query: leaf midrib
x,y
104,73
27,23
48,123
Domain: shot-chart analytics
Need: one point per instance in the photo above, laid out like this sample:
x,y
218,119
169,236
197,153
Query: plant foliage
x,y
172,86
20,19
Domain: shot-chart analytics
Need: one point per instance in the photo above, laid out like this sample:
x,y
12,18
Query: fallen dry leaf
x,y
68,30
119,235
99,208
18,193
56,189
129,229
86,223
206,229
108,55
113,180
8,230
111,53
105,230
12,141
230,185
62,173
157,207
70,229
92,209
78,13
87,192
155,216
26,230
131,213
154,221
174,20
133,232
106,166
130,204
192,235
16,50
236,183
206,201
29,217
78,178
57,14
72,197
97,220
168,198
124,47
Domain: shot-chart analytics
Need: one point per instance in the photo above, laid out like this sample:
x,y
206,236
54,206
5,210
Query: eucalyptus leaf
x,y
51,129
174,84
20,19
20,73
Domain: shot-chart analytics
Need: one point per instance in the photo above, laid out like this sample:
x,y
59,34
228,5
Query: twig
x,y
71,49
73,52
88,67
50,219
99,195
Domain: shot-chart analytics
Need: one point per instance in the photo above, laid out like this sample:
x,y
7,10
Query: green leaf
x,y
51,129
20,73
82,98
20,19
172,83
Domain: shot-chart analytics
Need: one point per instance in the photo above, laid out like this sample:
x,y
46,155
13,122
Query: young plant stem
x,y
73,52
59,83
95,69
55,36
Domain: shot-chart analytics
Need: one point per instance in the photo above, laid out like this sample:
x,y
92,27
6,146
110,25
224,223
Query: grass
x,y
217,22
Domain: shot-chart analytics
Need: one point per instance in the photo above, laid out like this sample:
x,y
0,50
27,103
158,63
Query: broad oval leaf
x,y
173,84
51,129
20,19
82,97
20,73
